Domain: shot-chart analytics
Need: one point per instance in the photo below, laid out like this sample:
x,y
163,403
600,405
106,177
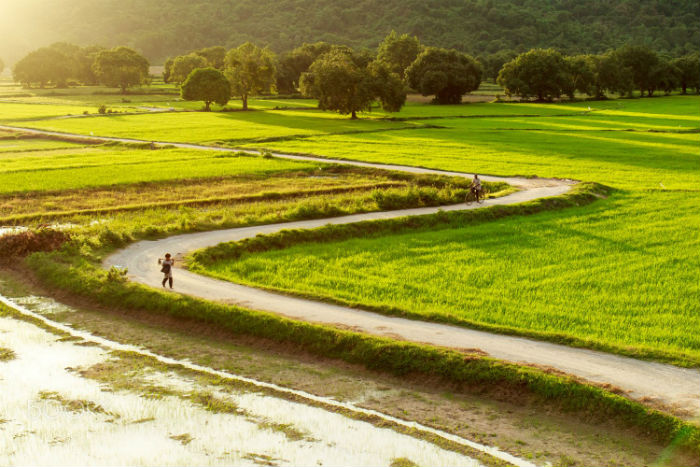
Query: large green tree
x,y
663,77
168,69
493,62
292,64
642,63
398,52
208,85
609,76
346,83
250,70
84,59
578,76
121,67
215,56
446,74
43,66
541,73
688,67
79,60
183,65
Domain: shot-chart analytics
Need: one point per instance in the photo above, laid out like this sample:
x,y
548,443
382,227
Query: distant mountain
x,y
160,28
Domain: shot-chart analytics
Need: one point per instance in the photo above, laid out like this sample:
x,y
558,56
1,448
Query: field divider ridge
x,y
265,196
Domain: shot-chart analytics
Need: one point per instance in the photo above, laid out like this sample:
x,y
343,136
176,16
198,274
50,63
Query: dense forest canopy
x,y
162,28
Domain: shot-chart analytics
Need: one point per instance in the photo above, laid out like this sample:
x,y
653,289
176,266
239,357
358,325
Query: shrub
x,y
24,243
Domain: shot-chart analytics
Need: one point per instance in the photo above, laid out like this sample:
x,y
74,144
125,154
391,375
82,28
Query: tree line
x,y
349,81
341,78
547,74
62,64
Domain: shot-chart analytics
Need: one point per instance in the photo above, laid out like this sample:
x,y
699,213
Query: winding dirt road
x,y
678,388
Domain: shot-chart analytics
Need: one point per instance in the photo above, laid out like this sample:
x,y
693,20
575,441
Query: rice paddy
x,y
620,274
567,274
53,415
95,166
227,127
647,149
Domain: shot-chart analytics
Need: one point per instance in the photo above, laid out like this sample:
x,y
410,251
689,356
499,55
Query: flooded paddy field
x,y
63,395
59,409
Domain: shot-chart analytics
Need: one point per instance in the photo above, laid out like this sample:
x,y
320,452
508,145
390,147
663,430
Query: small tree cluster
x,y
57,65
292,64
121,67
62,63
446,74
176,69
347,82
547,74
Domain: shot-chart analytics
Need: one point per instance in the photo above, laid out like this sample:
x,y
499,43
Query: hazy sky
x,y
21,27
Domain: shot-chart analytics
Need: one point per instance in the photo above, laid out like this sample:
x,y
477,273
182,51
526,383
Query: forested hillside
x,y
161,28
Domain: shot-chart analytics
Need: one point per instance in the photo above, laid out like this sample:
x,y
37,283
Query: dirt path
x,y
673,386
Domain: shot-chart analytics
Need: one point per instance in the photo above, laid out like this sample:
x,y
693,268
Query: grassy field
x,y
11,144
232,127
566,274
111,193
94,166
610,273
619,273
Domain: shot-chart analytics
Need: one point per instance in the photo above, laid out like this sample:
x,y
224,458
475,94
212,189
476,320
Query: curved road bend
x,y
674,386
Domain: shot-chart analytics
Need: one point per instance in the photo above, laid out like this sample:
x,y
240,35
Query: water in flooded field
x,y
54,416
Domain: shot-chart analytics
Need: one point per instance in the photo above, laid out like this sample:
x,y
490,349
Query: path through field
x,y
673,386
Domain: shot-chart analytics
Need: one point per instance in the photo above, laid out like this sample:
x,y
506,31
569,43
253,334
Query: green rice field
x,y
94,166
620,274
215,126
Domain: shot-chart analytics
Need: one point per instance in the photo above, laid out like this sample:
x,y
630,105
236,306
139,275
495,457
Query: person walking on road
x,y
167,269
475,188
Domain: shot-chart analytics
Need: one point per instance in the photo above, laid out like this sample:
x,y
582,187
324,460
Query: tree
x,y
168,69
398,52
609,75
84,59
538,72
121,67
79,60
578,76
215,56
43,66
641,62
2,66
345,82
389,87
250,70
296,62
688,67
492,63
446,74
663,76
183,65
208,85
